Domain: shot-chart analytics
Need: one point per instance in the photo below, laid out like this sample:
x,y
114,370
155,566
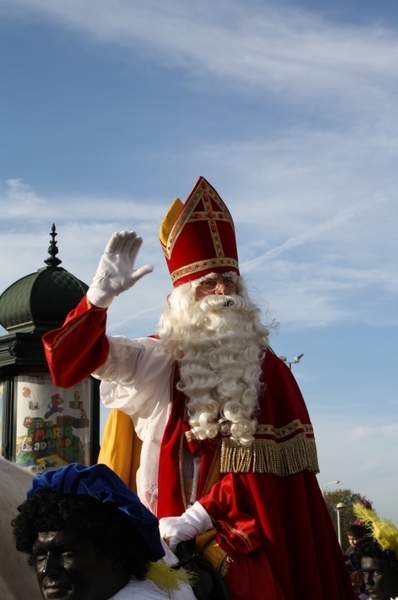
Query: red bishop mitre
x,y
198,237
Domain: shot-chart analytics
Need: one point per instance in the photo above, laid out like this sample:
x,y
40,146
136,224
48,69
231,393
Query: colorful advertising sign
x,y
1,415
52,425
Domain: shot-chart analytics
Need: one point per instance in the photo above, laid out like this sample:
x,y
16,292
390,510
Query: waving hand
x,y
115,273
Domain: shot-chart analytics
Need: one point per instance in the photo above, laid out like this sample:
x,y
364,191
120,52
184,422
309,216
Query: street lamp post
x,y
289,363
340,506
330,483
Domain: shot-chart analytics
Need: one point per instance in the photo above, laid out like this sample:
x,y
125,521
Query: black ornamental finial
x,y
53,261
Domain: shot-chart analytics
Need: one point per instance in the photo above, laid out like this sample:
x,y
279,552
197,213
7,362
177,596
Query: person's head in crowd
x,y
85,533
357,582
377,557
355,533
364,503
379,569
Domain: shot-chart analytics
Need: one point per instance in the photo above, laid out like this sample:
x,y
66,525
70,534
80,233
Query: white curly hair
x,y
219,343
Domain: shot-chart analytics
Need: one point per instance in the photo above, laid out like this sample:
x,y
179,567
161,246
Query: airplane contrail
x,y
338,219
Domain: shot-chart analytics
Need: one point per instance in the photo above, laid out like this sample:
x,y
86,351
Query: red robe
x,y
271,518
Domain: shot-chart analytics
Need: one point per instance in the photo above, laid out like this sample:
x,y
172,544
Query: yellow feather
x,y
166,578
384,532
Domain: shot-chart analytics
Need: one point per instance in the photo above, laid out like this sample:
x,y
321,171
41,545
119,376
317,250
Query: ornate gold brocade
x,y
286,430
201,265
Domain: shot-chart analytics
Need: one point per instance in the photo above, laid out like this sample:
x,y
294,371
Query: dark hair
x,y
370,548
365,503
108,528
356,530
357,579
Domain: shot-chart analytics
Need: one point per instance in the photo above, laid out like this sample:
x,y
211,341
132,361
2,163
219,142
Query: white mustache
x,y
214,303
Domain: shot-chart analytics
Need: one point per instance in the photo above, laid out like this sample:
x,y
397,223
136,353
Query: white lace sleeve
x,y
136,379
123,359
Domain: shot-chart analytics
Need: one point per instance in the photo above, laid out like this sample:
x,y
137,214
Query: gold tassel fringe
x,y
267,456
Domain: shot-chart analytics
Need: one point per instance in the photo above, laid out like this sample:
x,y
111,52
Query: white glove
x,y
115,273
193,521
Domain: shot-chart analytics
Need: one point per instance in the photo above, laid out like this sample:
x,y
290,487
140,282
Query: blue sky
x,y
110,110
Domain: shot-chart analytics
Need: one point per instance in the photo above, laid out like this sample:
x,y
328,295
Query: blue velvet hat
x,y
100,482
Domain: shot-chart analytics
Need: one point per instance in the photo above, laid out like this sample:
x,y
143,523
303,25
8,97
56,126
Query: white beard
x,y
219,343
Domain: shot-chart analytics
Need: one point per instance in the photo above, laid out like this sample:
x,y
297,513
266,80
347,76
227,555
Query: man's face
x,y
381,583
221,284
70,568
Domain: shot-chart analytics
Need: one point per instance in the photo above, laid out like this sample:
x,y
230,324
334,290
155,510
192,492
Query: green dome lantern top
x,y
40,301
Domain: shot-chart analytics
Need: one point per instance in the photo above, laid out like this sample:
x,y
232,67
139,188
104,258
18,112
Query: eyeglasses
x,y
210,285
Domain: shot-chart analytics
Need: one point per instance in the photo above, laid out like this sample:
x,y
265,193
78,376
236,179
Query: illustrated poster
x,y
1,415
53,427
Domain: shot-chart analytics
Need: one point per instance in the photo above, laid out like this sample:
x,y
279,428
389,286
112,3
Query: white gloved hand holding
x,y
115,273
193,521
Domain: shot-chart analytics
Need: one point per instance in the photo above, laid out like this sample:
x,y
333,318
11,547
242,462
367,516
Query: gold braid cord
x,y
277,456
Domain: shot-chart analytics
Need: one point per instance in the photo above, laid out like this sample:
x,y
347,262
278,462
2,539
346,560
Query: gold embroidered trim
x,y
286,430
181,472
241,533
213,229
190,208
203,265
225,565
214,474
181,446
201,215
268,456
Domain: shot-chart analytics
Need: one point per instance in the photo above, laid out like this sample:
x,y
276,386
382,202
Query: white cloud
x,y
19,200
313,294
384,432
288,52
308,169
313,233
363,457
329,272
